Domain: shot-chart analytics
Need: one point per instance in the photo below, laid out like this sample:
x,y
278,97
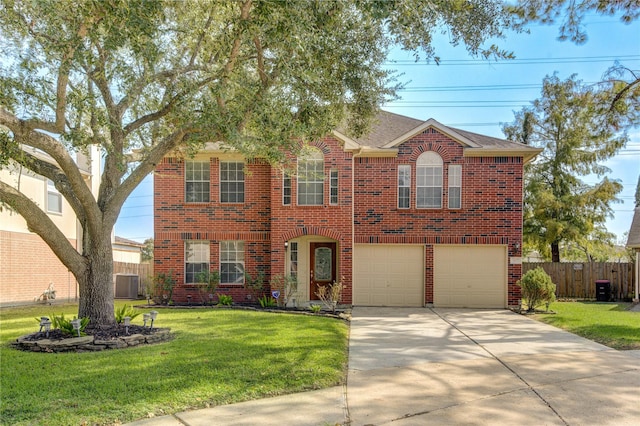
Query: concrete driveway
x,y
454,366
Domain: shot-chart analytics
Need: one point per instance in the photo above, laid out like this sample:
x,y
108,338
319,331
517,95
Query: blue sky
x,y
479,96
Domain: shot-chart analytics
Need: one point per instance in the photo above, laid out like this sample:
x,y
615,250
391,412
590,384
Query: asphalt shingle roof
x,y
387,127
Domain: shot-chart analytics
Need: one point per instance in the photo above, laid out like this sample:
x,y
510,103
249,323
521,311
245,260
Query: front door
x,y
323,266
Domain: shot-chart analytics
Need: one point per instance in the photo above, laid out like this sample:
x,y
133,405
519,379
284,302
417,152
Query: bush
x,y
330,295
225,300
207,282
537,288
164,284
125,311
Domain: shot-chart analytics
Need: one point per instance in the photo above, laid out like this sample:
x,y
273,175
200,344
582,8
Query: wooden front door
x,y
323,266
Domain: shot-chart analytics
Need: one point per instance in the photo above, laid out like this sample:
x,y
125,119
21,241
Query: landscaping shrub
x,y
537,288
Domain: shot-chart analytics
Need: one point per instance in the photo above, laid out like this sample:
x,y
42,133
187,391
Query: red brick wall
x,y
177,221
332,221
28,266
491,210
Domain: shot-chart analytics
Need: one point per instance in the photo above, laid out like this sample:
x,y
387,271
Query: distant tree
x,y
147,250
638,193
141,79
576,135
571,14
622,83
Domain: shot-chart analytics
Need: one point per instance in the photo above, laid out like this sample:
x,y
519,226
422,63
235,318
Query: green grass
x,y
611,324
218,356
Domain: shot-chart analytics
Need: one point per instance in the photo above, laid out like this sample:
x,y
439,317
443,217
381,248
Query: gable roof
x,y
390,130
633,241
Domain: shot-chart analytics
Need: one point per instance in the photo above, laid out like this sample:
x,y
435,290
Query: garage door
x,y
470,276
388,275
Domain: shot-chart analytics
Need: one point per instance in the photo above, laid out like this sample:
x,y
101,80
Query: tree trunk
x,y
96,286
555,252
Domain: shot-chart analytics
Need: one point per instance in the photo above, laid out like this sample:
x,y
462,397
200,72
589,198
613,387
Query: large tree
x,y
158,77
573,125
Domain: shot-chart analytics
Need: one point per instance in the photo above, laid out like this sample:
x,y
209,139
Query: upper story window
x,y
455,186
54,198
429,181
404,186
286,188
231,182
196,259
333,188
197,181
311,178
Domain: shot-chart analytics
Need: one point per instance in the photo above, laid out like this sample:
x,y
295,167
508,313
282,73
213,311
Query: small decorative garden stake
x,y
76,325
145,318
127,322
154,315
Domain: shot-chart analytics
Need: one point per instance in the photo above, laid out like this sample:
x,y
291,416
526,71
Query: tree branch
x,y
136,124
26,135
40,223
235,50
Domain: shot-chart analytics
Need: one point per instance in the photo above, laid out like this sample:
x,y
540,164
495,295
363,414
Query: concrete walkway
x,y
452,366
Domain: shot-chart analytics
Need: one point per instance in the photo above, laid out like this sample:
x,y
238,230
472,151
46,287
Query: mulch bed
x,y
102,333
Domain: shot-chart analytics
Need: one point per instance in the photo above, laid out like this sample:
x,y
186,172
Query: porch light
x,y
76,325
153,315
286,244
127,323
145,318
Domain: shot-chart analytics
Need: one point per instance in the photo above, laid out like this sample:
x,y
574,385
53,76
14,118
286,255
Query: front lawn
x,y
611,324
218,356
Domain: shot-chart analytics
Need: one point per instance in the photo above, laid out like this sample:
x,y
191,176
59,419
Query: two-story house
x,y
415,213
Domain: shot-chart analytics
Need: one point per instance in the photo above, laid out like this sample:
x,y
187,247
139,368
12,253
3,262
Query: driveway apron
x,y
419,366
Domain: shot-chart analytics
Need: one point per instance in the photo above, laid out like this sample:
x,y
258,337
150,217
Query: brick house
x,y
413,214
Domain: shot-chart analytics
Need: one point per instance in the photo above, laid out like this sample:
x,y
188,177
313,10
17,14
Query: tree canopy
x,y
577,132
140,79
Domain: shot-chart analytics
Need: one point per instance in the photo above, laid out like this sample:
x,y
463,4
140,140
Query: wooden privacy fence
x,y
578,280
143,270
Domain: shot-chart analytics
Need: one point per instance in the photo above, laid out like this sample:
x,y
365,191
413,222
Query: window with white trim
x,y
333,187
231,182
455,186
197,181
429,181
232,262
293,259
286,188
54,198
196,259
404,186
311,178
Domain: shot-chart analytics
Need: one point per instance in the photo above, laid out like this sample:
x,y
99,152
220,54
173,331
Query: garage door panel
x,y
388,275
470,276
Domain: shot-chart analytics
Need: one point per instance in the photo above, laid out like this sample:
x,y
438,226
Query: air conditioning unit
x,y
127,286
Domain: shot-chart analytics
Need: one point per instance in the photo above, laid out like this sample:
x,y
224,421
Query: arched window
x,y
311,178
429,181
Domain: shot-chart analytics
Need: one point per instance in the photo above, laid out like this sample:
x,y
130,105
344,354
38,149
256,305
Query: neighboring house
x,y
30,270
633,242
126,251
415,213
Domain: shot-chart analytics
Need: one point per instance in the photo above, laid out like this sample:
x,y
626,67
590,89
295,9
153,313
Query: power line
x,y
520,61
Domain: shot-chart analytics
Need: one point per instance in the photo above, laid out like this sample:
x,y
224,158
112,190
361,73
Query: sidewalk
x,y
321,407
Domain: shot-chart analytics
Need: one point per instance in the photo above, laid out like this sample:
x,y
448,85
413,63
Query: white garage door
x,y
470,276
388,275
